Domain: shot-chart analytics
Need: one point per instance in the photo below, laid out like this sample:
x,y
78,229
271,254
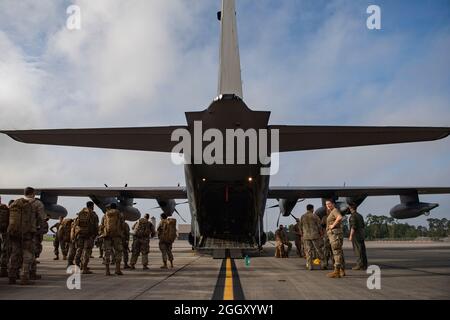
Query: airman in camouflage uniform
x,y
326,246
4,243
281,240
85,231
22,246
112,239
143,230
126,244
336,236
357,236
298,239
54,228
311,231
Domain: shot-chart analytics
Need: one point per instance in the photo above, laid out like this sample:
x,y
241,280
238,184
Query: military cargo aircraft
x,y
227,199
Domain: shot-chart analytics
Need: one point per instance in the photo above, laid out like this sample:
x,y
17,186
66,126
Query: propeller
x,y
180,215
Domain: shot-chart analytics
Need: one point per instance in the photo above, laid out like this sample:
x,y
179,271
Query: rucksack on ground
x,y
142,228
169,230
4,218
112,223
21,218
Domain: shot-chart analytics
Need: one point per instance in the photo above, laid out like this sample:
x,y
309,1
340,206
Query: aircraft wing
x,y
140,138
293,138
328,192
143,192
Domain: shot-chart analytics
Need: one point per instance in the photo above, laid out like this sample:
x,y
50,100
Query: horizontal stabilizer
x,y
294,138
143,138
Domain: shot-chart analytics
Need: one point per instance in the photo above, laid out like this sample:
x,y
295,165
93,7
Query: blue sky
x,y
147,62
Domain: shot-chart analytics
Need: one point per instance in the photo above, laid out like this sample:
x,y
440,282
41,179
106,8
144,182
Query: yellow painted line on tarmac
x,y
228,289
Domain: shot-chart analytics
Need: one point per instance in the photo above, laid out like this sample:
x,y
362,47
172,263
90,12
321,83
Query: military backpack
x,y
112,223
169,230
142,228
4,218
64,230
84,218
21,218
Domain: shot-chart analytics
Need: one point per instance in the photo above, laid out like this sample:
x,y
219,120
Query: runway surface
x,y
408,270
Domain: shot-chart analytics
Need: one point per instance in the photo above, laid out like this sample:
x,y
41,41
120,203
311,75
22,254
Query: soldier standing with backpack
x,y
24,216
167,233
85,230
143,231
112,232
4,243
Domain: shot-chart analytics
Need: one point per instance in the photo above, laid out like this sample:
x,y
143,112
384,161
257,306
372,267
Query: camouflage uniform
x,y
55,239
71,248
5,248
299,240
22,248
126,243
164,246
113,241
336,237
141,243
310,226
357,224
281,240
85,242
326,246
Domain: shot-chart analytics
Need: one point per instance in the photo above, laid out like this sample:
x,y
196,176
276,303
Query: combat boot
x,y
145,267
132,267
34,276
342,272
107,269
56,258
171,263
64,257
86,269
118,272
24,281
334,274
3,273
356,268
126,266
164,266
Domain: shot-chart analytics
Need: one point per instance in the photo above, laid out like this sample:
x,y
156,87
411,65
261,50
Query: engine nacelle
x,y
167,206
129,213
286,206
51,208
410,207
55,211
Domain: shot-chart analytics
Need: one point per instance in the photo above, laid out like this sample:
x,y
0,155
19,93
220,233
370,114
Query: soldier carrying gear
x,y
336,236
357,236
54,228
85,229
298,239
311,231
126,244
281,240
167,233
112,232
25,214
4,243
143,230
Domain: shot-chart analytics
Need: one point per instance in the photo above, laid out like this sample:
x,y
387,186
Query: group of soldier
x,y
322,239
23,224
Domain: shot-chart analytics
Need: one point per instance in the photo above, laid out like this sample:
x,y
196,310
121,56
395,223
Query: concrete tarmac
x,y
409,270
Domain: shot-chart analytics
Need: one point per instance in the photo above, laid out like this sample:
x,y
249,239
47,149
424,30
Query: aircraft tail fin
x,y
230,67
